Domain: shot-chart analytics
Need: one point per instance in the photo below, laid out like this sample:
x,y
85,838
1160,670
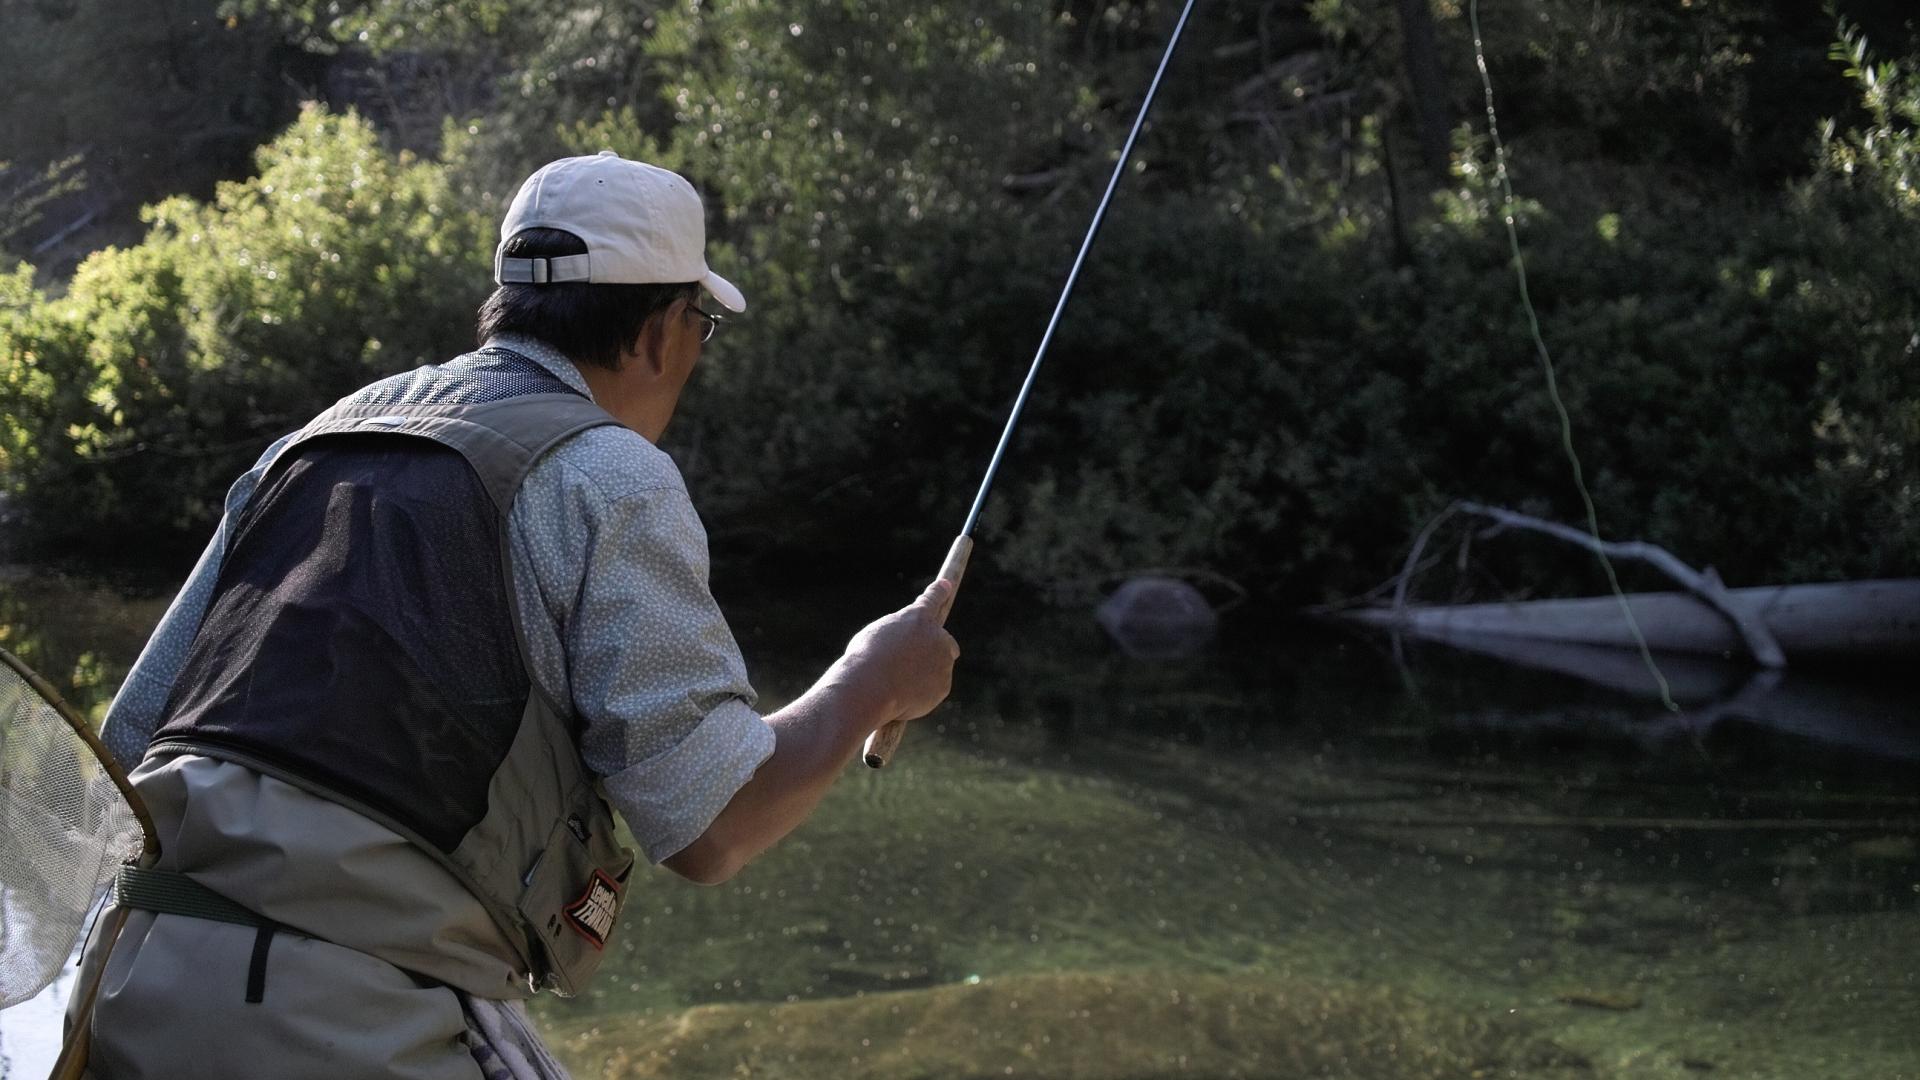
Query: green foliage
x,y
133,101
550,65
1858,222
889,268
166,367
1281,358
327,25
1884,155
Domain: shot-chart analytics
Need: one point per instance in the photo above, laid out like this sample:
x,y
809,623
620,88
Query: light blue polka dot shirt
x,y
610,566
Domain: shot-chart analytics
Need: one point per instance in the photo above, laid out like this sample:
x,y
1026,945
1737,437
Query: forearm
x,y
814,738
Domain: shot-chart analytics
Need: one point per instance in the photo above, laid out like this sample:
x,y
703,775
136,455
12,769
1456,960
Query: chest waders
x,y
363,643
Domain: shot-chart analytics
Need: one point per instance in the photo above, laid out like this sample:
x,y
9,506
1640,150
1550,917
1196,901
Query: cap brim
x,y
723,291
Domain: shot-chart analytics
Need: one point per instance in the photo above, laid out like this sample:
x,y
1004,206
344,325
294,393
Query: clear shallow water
x,y
1609,893
30,1032
1285,858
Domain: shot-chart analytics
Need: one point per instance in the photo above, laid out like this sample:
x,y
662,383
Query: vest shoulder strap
x,y
501,440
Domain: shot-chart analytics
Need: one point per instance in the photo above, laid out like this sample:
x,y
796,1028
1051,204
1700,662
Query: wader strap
x,y
257,967
177,894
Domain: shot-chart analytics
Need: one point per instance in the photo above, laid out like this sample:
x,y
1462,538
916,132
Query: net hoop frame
x,y
76,1047
150,842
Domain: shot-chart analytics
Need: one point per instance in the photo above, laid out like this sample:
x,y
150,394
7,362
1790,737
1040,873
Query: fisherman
x,y
437,632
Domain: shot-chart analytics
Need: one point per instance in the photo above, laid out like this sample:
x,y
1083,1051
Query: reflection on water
x,y
30,1031
1865,711
80,637
1289,858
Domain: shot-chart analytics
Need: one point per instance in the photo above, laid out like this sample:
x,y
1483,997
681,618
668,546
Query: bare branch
x,y
1705,586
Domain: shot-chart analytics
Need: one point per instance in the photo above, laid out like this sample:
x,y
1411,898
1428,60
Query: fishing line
x,y
1546,358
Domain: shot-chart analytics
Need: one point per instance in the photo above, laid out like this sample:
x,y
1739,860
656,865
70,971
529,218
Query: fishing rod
x,y
881,744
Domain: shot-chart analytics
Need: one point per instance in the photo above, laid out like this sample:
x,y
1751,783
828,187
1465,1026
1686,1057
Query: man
x,y
437,631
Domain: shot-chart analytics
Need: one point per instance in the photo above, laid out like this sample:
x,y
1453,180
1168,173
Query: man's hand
x,y
907,657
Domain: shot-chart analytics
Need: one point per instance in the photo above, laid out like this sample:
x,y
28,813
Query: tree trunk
x,y
1427,83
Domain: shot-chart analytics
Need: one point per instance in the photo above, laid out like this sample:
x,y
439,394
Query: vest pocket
x,y
574,892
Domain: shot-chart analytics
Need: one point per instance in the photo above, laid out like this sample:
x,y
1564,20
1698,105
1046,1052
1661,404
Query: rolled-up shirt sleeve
x,y
648,662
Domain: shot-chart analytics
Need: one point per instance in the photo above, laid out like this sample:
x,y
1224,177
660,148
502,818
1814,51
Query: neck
x,y
630,396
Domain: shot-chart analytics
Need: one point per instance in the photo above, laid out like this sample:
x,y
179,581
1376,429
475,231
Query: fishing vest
x,y
363,643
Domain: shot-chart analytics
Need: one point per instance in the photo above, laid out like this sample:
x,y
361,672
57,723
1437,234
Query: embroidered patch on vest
x,y
593,914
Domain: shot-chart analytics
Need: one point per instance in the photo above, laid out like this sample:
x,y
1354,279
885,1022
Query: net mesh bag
x,y
65,829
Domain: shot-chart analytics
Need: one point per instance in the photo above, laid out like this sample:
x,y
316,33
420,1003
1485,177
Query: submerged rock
x,y
1158,618
1080,1026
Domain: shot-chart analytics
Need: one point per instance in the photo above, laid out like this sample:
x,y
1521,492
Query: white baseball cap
x,y
642,225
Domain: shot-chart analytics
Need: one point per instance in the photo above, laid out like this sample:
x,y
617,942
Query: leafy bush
x,y
1254,375
1281,359
166,367
895,280
1858,223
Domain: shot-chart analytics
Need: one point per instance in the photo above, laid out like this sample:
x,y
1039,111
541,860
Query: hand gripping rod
x,y
881,744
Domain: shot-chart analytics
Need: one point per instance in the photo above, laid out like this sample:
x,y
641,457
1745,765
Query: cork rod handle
x,y
882,743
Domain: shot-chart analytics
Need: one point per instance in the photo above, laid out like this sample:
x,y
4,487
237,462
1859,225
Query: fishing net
x,y
65,829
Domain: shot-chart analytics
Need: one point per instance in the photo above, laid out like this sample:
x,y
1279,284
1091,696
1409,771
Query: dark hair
x,y
591,324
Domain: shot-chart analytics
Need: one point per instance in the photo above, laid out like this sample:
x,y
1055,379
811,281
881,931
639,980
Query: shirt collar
x,y
546,356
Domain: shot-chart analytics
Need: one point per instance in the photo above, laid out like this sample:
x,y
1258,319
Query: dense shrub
x,y
1286,353
165,368
1858,224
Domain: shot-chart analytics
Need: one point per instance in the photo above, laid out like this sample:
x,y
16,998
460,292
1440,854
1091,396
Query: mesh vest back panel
x,y
361,632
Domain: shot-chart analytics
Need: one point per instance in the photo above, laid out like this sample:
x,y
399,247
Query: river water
x,y
1288,856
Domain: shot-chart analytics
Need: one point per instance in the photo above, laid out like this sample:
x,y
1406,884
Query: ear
x,y
651,344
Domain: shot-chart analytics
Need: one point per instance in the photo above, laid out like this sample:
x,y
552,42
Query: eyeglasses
x,y
713,321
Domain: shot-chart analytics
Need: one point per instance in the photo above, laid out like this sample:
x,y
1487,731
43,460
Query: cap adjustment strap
x,y
541,271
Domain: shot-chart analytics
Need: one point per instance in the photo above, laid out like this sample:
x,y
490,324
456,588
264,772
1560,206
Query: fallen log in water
x,y
1849,620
